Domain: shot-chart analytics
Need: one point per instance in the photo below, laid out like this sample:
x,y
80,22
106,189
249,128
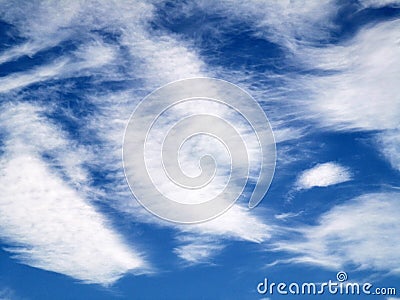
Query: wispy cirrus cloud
x,y
356,70
200,243
361,93
348,84
388,143
196,250
379,3
154,58
288,215
360,232
279,21
93,55
239,223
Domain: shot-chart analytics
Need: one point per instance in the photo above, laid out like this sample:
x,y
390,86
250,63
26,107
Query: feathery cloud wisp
x,y
361,232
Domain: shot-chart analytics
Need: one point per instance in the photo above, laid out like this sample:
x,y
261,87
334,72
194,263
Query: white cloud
x,y
338,101
158,57
200,243
279,21
288,215
358,89
361,232
90,56
28,131
167,58
52,227
357,66
155,58
46,221
388,143
237,223
362,92
198,252
41,29
42,73
379,3
28,49
323,175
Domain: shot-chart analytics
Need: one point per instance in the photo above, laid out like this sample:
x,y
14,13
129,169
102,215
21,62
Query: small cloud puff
x,y
323,175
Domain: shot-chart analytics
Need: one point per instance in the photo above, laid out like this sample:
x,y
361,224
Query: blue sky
x,y
326,73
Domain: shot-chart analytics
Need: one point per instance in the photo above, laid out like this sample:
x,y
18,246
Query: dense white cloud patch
x,y
322,175
45,219
361,232
52,227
